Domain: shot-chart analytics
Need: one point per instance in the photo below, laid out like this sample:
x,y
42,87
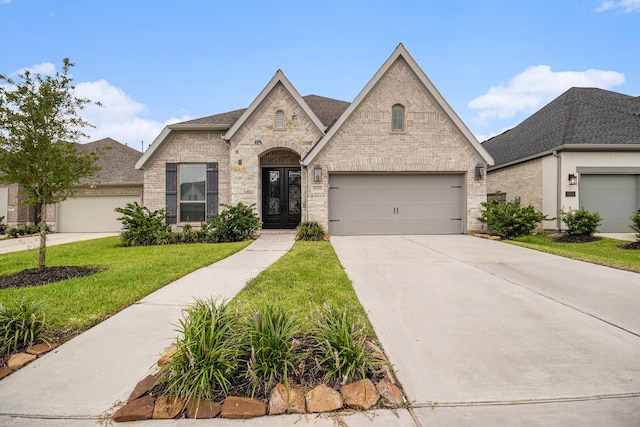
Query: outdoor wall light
x,y
573,179
480,172
317,173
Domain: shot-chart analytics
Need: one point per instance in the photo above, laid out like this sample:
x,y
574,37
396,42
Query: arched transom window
x,y
397,117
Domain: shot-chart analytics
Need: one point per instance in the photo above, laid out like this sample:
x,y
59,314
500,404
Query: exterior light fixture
x,y
573,179
480,172
317,173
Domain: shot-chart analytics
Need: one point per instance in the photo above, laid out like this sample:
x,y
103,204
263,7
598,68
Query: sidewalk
x,y
33,242
82,379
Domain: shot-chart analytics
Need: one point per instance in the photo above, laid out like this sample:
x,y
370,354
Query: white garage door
x,y
4,203
91,214
614,197
395,204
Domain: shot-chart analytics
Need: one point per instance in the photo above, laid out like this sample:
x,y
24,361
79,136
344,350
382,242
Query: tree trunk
x,y
43,236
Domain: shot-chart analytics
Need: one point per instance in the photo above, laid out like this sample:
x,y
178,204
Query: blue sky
x,y
153,63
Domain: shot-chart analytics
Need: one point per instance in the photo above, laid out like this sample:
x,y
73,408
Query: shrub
x,y
340,339
207,352
21,325
141,226
510,220
235,223
310,230
23,230
3,227
581,222
270,346
635,224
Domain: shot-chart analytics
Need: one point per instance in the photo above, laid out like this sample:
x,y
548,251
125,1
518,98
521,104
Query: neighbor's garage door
x,y
614,197
395,204
91,214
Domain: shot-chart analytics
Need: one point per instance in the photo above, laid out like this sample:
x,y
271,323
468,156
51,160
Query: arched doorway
x,y
281,189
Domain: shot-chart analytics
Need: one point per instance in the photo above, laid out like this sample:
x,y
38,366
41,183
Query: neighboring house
x,y
397,160
580,150
92,209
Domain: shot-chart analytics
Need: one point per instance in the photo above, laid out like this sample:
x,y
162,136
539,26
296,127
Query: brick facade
x,y
523,180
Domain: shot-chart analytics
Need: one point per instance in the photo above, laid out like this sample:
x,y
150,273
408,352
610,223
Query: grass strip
x,y
604,251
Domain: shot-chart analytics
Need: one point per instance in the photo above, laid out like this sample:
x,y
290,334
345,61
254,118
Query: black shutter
x,y
212,190
172,193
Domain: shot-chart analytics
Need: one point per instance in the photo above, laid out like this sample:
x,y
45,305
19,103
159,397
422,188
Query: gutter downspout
x,y
306,191
558,189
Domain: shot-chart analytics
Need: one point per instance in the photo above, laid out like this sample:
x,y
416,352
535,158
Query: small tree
x,y
39,129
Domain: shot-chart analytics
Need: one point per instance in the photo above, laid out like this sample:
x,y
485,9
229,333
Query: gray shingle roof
x,y
578,116
117,162
326,109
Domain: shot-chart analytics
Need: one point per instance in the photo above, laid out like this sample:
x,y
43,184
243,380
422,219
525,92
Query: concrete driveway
x,y
486,333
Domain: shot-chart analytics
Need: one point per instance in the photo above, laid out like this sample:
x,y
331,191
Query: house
x,y
92,208
396,160
580,150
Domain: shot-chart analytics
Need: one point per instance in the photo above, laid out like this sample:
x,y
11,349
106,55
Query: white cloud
x,y
629,6
535,87
45,68
120,117
5,1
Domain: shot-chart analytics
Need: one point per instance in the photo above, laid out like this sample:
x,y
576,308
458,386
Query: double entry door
x,y
281,197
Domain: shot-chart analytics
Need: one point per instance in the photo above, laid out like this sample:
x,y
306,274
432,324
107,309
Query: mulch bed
x,y
566,238
41,276
632,245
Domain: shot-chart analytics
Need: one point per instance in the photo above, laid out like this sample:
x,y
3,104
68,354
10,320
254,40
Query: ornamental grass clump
x,y
21,325
310,231
340,348
207,352
270,347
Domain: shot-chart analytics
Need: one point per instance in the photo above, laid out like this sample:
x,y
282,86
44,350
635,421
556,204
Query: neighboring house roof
x,y
117,162
400,51
586,118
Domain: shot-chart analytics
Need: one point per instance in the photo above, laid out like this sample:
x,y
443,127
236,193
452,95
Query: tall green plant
x,y
310,230
141,226
635,224
340,339
510,220
235,223
207,352
21,325
581,222
270,346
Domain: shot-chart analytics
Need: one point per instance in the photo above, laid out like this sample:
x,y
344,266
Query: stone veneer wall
x,y
257,137
366,143
523,180
186,147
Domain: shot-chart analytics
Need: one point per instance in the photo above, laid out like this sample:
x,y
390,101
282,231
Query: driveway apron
x,y
486,331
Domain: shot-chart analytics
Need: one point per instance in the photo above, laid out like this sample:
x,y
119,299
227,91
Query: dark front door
x,y
281,197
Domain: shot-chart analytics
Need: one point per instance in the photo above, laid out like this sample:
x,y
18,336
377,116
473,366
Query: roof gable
x,y
116,162
578,117
278,78
400,52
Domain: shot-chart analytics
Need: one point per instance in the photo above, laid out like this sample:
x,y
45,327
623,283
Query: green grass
x,y
131,273
603,252
309,275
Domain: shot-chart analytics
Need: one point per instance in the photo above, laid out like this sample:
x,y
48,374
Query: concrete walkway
x,y
33,242
485,333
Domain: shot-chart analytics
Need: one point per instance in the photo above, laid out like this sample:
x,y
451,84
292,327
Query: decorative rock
x,y
376,353
243,408
140,409
40,349
390,393
168,407
4,372
388,374
18,360
283,400
360,395
143,387
323,399
165,357
202,409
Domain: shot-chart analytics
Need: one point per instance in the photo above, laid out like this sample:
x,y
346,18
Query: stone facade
x,y
366,142
187,147
523,180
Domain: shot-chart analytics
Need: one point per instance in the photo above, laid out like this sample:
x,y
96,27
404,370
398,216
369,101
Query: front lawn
x,y
130,274
603,252
309,275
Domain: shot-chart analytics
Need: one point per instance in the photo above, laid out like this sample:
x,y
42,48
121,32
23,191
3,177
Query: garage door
x,y
614,197
91,214
4,204
395,204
